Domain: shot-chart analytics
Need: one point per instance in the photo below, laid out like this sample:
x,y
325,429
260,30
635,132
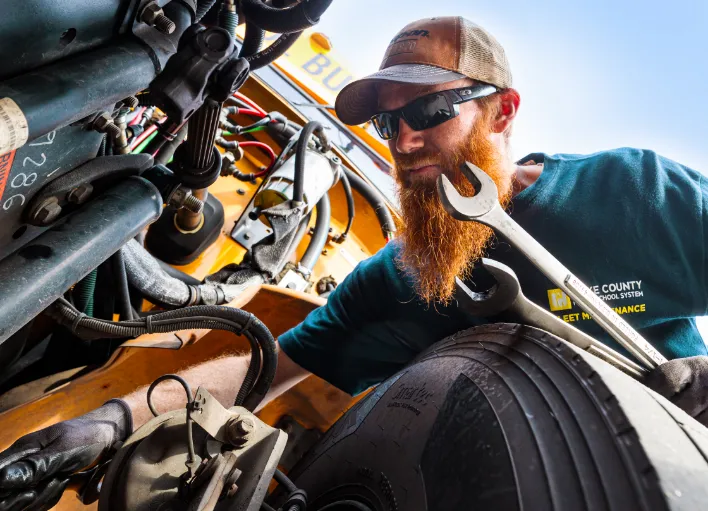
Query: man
x,y
628,222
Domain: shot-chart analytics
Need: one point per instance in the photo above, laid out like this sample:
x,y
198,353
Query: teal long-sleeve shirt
x,y
629,223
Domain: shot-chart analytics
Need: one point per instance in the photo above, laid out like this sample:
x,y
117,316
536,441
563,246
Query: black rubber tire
x,y
508,417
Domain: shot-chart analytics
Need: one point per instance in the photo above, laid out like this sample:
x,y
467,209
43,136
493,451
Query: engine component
x,y
239,455
508,417
321,173
38,273
63,92
75,187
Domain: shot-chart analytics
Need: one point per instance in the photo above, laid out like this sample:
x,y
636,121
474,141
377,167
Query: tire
x,y
508,417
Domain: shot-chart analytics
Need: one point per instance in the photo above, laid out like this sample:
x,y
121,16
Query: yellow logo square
x,y
558,300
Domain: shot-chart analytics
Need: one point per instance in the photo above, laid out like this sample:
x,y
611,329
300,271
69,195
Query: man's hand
x,y
684,382
35,470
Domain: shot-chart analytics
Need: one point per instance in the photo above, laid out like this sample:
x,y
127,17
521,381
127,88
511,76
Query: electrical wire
x,y
144,135
249,111
250,103
145,143
350,207
138,114
265,147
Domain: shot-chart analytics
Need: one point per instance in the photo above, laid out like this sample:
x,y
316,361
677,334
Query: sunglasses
x,y
428,111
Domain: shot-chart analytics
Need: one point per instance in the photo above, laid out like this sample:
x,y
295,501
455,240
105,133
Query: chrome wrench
x,y
484,208
507,298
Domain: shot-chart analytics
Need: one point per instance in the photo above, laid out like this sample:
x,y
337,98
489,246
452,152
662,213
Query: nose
x,y
408,140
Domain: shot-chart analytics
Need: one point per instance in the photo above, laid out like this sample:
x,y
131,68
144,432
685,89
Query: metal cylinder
x,y
321,174
188,220
38,273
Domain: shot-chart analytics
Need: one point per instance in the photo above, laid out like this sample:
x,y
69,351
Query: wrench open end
x,y
468,208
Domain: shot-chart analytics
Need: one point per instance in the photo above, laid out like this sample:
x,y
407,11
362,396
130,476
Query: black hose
x,y
284,21
125,309
252,40
375,199
350,207
320,234
169,148
177,274
272,52
300,233
213,317
300,155
203,7
284,481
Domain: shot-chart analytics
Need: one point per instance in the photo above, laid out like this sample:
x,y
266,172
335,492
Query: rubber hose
x,y
228,19
178,274
203,7
199,317
300,155
272,52
284,481
252,40
125,310
375,199
83,293
284,21
320,234
168,149
350,205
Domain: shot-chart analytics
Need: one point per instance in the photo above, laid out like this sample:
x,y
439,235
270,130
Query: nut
x,y
80,194
48,211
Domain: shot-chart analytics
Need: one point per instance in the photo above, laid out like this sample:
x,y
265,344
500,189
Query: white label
x,y
13,126
348,257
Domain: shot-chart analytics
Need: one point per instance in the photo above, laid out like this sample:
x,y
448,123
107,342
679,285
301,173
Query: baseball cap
x,y
428,52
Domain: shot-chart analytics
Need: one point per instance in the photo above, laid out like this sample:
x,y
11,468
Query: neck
x,y
525,176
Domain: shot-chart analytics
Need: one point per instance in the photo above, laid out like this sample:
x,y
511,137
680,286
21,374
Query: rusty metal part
x,y
157,452
80,194
182,197
131,102
104,124
186,218
153,15
46,212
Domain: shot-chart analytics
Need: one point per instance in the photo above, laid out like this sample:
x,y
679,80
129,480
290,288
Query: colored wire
x,y
145,134
248,111
249,102
145,143
136,119
265,147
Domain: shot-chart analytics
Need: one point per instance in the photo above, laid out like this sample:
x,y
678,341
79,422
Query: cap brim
x,y
358,101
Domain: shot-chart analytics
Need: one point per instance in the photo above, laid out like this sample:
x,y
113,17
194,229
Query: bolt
x,y
232,491
191,203
47,211
104,124
247,236
239,429
241,191
80,194
324,252
131,102
182,197
154,16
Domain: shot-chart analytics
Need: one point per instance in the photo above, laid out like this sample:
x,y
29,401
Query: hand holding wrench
x,y
484,207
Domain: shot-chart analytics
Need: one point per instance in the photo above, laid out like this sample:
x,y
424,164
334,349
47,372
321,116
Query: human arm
x,y
34,471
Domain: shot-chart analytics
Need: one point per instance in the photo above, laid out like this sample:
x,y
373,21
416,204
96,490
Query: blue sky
x,y
592,75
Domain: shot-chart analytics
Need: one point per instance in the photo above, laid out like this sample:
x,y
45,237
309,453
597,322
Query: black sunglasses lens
x,y
386,125
427,112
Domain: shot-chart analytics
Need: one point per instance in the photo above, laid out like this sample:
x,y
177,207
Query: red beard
x,y
436,247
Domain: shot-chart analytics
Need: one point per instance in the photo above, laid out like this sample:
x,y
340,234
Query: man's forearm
x,y
222,377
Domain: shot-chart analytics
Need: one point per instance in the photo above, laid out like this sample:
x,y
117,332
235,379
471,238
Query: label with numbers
x,y
13,126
